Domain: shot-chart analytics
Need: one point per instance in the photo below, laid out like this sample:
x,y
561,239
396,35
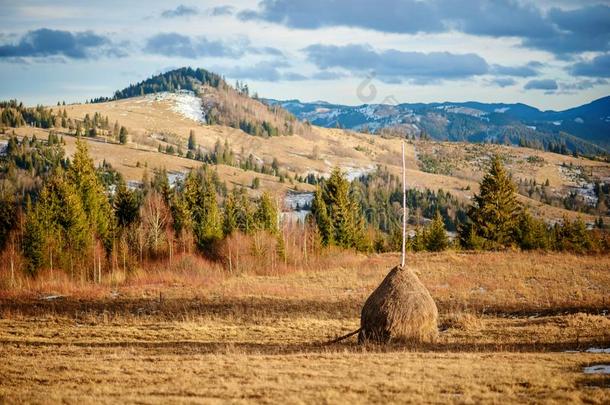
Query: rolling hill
x,y
161,122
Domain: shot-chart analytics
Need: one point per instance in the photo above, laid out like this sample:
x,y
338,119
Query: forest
x,y
66,213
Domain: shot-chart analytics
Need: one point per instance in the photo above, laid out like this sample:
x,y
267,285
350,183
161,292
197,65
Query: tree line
x,y
69,215
73,220
495,220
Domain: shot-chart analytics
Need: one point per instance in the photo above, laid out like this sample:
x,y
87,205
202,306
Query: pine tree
x,y
571,236
160,183
324,224
192,144
230,214
200,196
33,243
266,215
126,206
496,211
82,175
57,230
436,239
212,229
418,242
8,213
338,214
245,213
531,233
123,135
336,196
115,130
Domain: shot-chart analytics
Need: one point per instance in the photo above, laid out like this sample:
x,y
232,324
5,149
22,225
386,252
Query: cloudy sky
x,y
549,54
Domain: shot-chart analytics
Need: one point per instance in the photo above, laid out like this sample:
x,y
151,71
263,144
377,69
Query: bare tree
x,y
156,220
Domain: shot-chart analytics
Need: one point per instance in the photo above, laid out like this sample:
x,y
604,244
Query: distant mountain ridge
x,y
583,129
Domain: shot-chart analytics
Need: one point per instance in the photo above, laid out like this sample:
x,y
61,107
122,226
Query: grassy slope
x,y
319,150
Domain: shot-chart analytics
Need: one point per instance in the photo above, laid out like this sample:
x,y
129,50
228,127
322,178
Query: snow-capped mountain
x,y
584,129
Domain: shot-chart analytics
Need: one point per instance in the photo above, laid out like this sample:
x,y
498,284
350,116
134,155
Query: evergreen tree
x,y
344,212
126,206
266,215
436,239
8,213
245,213
82,175
160,183
324,224
571,236
496,211
336,196
57,231
181,216
116,130
123,135
469,238
192,144
531,233
230,214
418,242
33,243
200,195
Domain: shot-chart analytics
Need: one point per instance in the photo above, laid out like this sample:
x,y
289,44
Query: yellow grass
x,y
509,323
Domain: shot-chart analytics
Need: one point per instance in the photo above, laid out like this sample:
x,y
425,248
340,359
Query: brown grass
x,y
199,335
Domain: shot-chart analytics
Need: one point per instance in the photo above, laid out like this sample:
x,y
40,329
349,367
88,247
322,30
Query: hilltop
x,y
221,103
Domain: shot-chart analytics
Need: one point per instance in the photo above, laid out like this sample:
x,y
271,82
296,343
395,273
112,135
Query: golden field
x,y
515,327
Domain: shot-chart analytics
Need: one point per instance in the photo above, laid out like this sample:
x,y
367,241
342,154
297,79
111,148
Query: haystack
x,y
401,309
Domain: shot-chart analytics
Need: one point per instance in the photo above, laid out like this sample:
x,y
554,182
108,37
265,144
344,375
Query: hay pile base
x,y
400,310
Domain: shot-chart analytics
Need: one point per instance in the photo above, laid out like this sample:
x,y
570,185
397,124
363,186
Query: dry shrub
x,y
400,309
51,283
296,249
184,270
254,254
464,321
582,320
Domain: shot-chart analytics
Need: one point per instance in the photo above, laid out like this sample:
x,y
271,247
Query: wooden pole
x,y
404,208
12,263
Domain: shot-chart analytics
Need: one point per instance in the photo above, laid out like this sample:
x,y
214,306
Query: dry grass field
x,y
515,328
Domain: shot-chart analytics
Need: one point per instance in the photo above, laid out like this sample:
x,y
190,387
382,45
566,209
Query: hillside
x,y
221,103
158,121
582,129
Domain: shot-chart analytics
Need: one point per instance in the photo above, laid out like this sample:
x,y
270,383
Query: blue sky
x,y
550,54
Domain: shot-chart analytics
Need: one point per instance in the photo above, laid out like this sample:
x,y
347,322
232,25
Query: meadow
x,y
514,327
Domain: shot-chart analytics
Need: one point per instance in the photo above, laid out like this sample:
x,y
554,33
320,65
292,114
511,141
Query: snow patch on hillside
x,y
296,207
352,173
473,112
581,186
184,102
298,201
